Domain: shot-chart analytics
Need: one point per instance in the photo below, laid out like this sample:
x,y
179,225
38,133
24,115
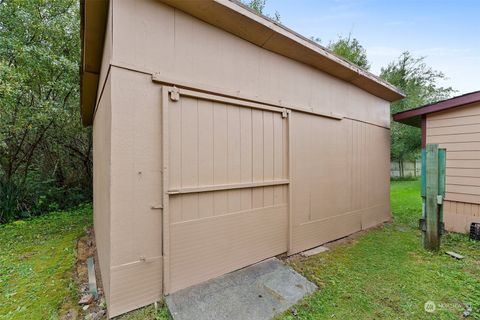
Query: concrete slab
x,y
257,292
314,251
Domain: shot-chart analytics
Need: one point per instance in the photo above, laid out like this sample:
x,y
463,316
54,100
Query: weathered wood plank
x,y
432,237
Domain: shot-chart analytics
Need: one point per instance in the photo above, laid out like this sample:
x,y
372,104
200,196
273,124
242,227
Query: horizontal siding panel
x,y
463,155
464,189
463,172
459,146
456,129
207,248
314,233
465,111
135,285
460,121
465,181
470,164
468,198
466,137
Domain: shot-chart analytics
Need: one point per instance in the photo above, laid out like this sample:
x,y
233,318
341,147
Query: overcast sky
x,y
446,32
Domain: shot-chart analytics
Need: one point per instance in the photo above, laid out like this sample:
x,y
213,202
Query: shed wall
x,y
136,190
458,130
101,183
341,189
340,178
154,37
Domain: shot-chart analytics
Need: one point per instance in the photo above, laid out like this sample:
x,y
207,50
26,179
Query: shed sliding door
x,y
226,185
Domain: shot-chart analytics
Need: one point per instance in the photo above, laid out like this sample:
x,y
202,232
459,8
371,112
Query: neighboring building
x,y
221,139
454,125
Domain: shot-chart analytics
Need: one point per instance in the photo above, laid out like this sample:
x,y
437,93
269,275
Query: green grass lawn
x,y
381,274
37,259
385,273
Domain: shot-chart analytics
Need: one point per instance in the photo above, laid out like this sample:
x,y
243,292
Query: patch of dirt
x,y
96,310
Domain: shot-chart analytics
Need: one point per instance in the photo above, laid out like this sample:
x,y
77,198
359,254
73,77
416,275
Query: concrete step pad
x,y
257,292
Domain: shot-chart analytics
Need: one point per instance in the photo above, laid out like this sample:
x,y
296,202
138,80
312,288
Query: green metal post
x,y
423,179
442,156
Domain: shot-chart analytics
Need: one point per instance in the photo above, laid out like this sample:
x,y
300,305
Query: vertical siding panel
x,y
356,167
268,160
352,164
365,182
453,207
220,147
175,143
285,148
189,156
460,207
246,155
475,211
285,151
447,206
370,158
467,209
257,156
319,167
189,145
205,142
205,156
310,164
355,156
278,157
234,157
360,178
300,175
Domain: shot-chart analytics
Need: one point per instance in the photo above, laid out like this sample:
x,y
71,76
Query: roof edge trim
x,y
410,116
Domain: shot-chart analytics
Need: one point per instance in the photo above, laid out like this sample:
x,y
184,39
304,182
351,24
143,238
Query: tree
x,y
348,48
259,6
420,84
45,154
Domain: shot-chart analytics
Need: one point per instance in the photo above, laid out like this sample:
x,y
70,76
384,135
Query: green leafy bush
x,y
19,201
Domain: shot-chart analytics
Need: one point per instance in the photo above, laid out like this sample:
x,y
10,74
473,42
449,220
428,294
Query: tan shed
x,y
454,124
221,139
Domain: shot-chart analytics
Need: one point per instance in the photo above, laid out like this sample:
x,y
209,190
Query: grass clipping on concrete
x,y
37,259
385,273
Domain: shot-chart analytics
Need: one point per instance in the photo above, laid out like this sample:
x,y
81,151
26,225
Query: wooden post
x,y
432,237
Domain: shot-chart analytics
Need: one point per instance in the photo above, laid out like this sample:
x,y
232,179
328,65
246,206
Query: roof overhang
x,y
238,19
413,117
93,20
